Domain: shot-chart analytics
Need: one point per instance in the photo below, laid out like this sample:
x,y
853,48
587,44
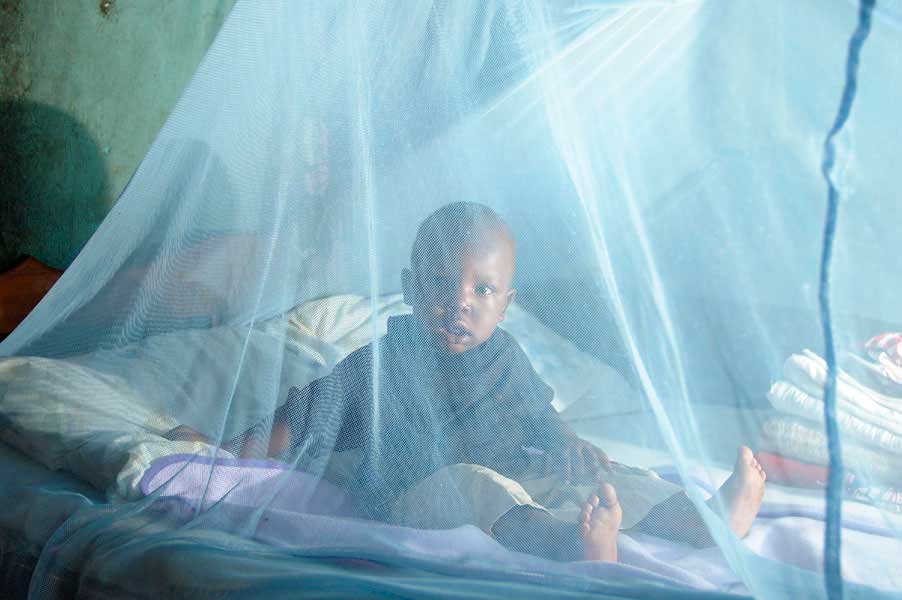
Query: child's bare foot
x,y
599,524
742,493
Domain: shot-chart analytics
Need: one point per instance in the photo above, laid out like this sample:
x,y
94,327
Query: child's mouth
x,y
455,330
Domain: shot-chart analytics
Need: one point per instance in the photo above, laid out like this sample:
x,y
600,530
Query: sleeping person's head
x,y
461,271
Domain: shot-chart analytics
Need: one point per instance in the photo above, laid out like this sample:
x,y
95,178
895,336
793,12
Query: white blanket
x,y
73,418
790,531
790,400
808,372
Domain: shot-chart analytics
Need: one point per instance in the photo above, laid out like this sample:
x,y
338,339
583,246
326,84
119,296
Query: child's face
x,y
460,296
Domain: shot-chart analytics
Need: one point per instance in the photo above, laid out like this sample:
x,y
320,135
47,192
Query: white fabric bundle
x,y
788,399
804,441
870,420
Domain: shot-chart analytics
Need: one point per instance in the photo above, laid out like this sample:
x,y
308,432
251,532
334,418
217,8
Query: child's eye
x,y
485,290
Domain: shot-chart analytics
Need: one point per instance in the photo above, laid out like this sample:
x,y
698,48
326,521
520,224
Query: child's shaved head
x,y
454,225
462,267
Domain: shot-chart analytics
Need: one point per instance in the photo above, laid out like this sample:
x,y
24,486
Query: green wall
x,y
84,87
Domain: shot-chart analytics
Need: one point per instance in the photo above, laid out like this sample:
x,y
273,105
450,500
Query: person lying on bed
x,y
463,431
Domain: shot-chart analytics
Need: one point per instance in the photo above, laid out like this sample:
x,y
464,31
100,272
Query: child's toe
x,y
608,494
746,455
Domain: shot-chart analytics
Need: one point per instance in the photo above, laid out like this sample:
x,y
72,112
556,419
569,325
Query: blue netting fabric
x,y
482,299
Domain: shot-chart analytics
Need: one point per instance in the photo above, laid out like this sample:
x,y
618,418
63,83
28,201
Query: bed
x,y
21,288
63,490
171,565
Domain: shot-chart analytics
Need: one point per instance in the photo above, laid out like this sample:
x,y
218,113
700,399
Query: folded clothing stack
x,y
868,411
884,367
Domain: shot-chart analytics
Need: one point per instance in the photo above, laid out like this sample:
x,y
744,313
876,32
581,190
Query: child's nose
x,y
463,298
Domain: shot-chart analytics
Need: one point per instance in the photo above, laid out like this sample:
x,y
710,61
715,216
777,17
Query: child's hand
x,y
183,433
578,460
594,458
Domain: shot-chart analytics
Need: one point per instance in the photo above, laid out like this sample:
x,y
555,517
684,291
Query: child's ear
x,y
511,294
407,286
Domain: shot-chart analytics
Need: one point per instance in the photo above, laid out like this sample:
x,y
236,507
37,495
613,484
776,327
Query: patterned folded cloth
x,y
873,374
885,350
882,496
888,344
788,471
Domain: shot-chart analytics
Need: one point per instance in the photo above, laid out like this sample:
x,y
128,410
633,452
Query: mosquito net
x,y
482,299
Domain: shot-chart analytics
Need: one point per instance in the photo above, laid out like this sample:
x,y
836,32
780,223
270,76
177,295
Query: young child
x,y
462,430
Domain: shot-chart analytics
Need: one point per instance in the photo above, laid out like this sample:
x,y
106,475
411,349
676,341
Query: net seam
x,y
832,538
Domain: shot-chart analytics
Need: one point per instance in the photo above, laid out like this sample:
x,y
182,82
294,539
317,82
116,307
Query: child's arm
x,y
289,422
566,454
317,414
238,445
288,429
183,433
279,439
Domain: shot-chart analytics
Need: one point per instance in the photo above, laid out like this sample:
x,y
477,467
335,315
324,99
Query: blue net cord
x,y
832,538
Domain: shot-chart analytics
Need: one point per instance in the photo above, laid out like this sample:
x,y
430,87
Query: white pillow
x,y
344,321
100,416
193,376
71,417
